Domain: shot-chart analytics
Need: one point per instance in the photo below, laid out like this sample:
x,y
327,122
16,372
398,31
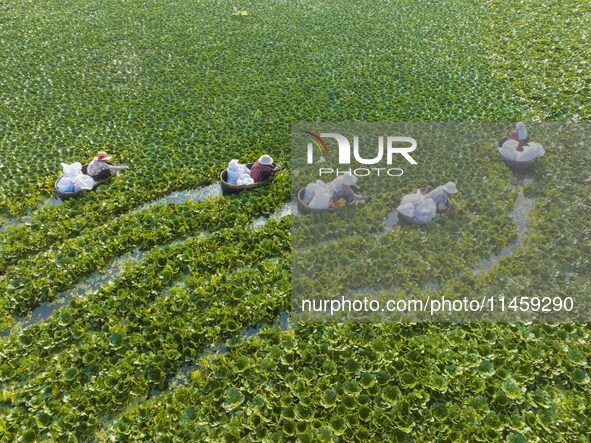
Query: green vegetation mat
x,y
175,90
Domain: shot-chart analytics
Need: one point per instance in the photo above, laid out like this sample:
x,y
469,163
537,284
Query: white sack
x,y
321,199
65,184
425,211
414,198
407,209
245,179
72,170
530,151
83,181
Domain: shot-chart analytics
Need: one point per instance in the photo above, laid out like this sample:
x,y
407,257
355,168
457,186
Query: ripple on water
x,y
199,194
286,209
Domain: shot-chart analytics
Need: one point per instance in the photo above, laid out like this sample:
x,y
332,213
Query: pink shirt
x,y
260,172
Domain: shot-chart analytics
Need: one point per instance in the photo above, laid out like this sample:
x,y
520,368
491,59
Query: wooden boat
x,y
97,181
514,165
409,220
228,188
303,208
520,167
66,195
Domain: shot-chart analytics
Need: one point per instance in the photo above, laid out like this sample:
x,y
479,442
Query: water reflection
x,y
91,284
199,194
520,215
286,209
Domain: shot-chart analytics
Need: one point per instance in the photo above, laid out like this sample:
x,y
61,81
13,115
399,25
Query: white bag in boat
x,y
72,170
509,149
311,189
407,209
321,198
244,180
235,170
83,181
65,184
309,193
425,210
530,151
415,198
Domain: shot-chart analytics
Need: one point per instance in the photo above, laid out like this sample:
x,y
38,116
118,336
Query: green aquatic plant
x,y
123,76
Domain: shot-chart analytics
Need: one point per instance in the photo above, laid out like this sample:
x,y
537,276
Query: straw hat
x,y
266,160
103,156
450,188
521,131
349,179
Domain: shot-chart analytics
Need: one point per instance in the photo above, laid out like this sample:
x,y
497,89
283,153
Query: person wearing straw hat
x,y
99,169
262,169
519,134
344,187
440,195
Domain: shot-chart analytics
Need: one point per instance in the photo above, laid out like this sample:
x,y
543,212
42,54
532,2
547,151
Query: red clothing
x,y
522,143
260,172
513,135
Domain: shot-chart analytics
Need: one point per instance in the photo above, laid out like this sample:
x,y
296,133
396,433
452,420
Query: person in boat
x,y
344,187
99,169
440,195
518,147
262,169
519,134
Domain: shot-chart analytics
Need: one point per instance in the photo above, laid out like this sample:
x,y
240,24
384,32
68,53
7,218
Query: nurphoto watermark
x,y
438,222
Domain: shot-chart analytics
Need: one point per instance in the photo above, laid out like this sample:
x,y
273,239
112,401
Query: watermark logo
x,y
318,142
387,146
